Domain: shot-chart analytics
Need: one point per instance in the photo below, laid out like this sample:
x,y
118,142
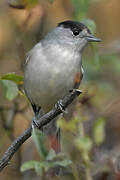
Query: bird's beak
x,y
92,38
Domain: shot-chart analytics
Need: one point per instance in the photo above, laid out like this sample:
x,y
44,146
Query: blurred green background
x,y
22,24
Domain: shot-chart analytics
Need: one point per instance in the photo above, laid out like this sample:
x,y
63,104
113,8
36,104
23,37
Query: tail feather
x,y
55,142
50,129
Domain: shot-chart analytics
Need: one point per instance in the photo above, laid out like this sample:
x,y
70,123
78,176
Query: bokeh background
x,y
22,24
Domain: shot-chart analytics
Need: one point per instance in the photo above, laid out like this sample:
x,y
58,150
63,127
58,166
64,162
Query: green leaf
x,y
90,24
31,3
51,155
39,167
81,8
40,139
51,1
19,4
58,159
13,77
84,143
96,1
10,89
95,56
72,125
99,131
28,165
43,166
63,163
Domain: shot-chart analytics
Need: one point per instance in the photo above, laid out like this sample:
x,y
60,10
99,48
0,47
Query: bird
x,y
53,67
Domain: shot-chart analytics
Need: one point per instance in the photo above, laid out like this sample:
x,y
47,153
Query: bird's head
x,y
72,32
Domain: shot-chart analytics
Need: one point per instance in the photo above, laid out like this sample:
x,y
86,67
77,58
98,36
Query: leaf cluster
x,y
10,84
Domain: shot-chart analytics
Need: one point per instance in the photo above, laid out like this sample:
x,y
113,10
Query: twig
x,y
41,122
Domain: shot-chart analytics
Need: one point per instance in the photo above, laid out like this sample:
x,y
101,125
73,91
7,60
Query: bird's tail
x,y
55,141
51,130
53,133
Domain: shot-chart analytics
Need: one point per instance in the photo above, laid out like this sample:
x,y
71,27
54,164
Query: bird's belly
x,y
46,94
46,86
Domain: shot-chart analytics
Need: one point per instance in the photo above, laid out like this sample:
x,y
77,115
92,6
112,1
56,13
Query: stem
x,y
85,155
75,172
82,132
88,175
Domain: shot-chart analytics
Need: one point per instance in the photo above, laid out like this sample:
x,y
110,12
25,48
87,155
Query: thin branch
x,y
41,122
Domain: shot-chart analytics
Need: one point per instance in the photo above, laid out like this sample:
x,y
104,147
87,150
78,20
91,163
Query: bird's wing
x,y
27,57
78,78
30,53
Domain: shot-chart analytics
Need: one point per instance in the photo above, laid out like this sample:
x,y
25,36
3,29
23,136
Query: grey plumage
x,y
52,65
50,68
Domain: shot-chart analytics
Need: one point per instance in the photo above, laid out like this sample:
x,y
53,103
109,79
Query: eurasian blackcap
x,y
54,66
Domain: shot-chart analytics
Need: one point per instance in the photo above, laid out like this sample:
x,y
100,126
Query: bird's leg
x,y
61,106
37,115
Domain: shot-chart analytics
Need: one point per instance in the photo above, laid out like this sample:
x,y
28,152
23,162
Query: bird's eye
x,y
76,32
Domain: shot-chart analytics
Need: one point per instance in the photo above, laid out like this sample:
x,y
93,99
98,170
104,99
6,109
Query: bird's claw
x,y
77,90
34,122
61,106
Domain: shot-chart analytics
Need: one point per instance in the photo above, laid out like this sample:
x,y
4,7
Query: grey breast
x,y
49,74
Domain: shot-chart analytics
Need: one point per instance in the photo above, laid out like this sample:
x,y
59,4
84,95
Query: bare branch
x,y
41,122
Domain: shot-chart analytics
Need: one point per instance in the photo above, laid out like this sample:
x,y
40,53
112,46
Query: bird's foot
x,y
77,90
60,105
35,122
